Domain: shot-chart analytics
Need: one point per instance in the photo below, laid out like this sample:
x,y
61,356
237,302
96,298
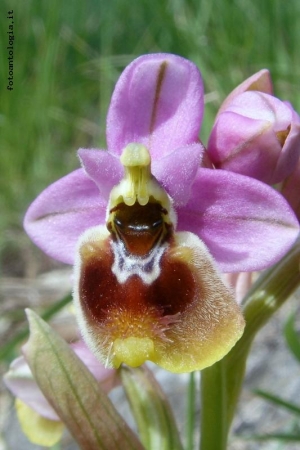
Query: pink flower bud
x,y
256,135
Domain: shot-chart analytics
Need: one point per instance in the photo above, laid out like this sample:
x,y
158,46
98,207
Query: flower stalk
x,y
151,409
190,411
221,383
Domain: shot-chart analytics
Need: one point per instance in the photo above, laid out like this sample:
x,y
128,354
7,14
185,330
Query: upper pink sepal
x,y
158,102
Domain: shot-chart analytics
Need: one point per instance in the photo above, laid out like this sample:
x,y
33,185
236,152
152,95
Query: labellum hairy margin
x,y
144,292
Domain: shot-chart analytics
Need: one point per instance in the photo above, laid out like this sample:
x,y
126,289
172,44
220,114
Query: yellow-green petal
x,y
38,429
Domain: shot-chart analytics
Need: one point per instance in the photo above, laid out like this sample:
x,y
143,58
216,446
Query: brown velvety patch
x,y
101,294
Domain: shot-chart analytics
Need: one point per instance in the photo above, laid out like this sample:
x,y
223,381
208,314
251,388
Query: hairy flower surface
x,y
145,292
144,222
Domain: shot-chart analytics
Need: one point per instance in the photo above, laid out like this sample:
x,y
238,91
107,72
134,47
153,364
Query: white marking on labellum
x,y
147,268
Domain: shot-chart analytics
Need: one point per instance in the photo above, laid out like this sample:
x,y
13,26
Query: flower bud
x,y
256,135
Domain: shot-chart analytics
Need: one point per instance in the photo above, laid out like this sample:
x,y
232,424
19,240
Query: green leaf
x,y
151,409
292,337
285,437
74,393
190,412
278,401
213,408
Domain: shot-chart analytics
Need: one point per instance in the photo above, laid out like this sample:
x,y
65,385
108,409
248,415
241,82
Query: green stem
x,y
221,383
190,413
213,408
150,408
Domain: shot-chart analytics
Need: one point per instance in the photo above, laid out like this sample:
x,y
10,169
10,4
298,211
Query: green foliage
x,y
151,410
293,342
292,337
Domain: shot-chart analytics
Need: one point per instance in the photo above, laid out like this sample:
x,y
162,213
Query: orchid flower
x,y
255,133
149,230
38,419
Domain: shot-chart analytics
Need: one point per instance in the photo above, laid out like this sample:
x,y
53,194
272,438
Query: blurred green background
x,y
68,56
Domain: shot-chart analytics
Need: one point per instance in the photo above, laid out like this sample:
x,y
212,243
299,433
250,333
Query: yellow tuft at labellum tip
x,y
145,292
